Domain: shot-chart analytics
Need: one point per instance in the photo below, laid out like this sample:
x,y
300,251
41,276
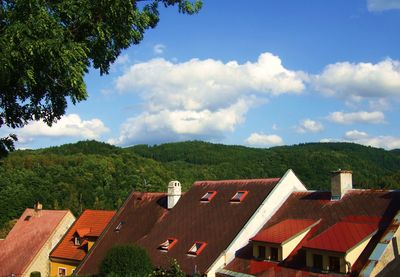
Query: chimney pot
x,y
174,193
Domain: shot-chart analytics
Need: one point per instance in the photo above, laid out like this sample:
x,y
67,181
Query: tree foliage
x,y
48,46
126,261
94,175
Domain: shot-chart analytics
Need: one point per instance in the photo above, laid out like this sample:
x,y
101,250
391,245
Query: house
x,y
202,229
78,240
27,247
344,231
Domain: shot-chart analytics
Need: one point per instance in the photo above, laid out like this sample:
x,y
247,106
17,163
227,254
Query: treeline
x,y
96,175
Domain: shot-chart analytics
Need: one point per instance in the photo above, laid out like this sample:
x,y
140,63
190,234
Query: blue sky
x,y
261,73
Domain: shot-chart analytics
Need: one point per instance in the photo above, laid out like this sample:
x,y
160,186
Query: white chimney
x,y
174,193
341,182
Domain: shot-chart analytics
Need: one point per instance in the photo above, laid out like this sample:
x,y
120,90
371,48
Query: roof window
x,y
197,248
168,244
27,218
208,196
119,226
239,196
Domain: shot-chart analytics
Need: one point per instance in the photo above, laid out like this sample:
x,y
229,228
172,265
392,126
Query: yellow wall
x,y
325,259
353,255
291,244
55,265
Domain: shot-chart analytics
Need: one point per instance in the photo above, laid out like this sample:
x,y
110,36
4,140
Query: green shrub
x,y
126,261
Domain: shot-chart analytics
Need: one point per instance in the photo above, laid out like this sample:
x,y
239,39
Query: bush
x,y
126,261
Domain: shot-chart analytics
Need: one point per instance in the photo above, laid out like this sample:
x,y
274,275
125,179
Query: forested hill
x,y
91,174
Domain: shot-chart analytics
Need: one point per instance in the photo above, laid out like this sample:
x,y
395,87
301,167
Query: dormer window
x,y
239,196
77,240
208,196
168,244
197,248
119,226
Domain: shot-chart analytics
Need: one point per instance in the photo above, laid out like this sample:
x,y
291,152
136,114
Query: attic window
x,y
77,240
119,226
27,218
197,248
168,244
239,196
208,196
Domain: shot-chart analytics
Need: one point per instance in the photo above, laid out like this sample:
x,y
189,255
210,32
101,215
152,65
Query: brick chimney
x,y
341,182
174,193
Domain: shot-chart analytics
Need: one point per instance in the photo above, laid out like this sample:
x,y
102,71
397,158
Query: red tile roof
x,y
376,207
284,230
26,238
342,236
90,223
216,223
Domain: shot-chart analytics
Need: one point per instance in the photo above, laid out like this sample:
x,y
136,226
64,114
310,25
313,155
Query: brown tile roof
x,y
357,206
138,215
216,223
26,238
90,223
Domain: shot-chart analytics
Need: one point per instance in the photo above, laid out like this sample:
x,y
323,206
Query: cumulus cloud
x,y
308,125
178,125
207,84
355,82
256,139
387,142
357,117
68,126
159,49
199,98
382,5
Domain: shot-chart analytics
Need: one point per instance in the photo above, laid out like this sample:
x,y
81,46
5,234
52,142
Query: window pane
x,y
261,252
334,264
317,261
274,253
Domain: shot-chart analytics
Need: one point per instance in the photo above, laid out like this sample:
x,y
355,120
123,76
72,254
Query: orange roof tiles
x,y
342,236
26,239
284,230
90,223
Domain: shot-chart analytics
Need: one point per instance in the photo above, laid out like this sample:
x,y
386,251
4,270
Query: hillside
x,y
91,174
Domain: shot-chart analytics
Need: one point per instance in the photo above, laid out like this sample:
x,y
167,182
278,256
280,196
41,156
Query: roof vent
x,y
174,193
341,182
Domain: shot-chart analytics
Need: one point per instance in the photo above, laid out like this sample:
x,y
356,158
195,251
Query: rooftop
x,y
91,223
26,238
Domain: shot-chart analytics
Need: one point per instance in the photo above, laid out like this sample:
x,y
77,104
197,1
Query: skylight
x,y
239,196
119,226
208,196
197,248
168,244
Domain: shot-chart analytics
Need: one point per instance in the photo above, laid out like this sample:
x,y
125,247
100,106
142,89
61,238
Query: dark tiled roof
x,y
136,217
148,223
26,238
358,206
283,231
216,223
90,223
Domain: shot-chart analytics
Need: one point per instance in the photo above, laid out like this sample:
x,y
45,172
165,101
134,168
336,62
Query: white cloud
x,y
177,125
159,49
309,125
355,82
68,126
387,142
357,117
207,84
256,139
199,98
382,5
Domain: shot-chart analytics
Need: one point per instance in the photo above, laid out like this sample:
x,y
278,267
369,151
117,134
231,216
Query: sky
x,y
260,73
